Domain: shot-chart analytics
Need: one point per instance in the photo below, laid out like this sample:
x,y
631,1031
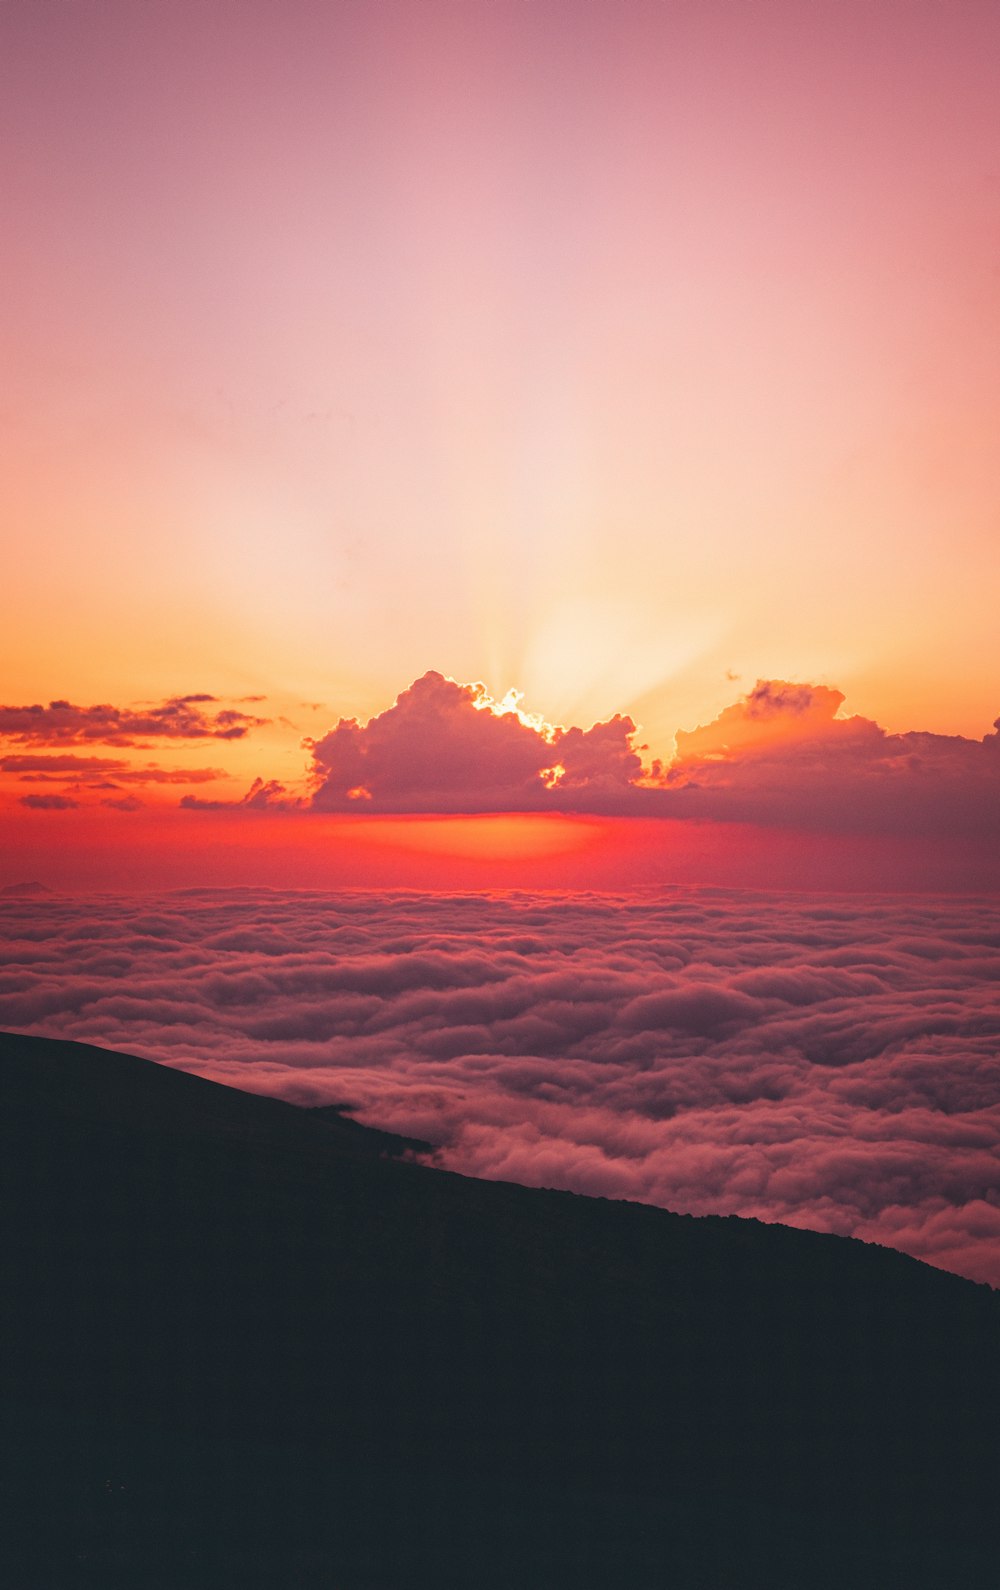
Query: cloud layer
x,y
825,1062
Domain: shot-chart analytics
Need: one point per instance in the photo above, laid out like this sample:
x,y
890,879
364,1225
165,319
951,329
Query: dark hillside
x,y
243,1347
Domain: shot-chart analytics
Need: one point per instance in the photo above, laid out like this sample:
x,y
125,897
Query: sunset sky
x,y
501,507
622,355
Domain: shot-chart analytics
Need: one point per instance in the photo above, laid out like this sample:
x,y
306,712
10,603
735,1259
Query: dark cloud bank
x,y
825,1062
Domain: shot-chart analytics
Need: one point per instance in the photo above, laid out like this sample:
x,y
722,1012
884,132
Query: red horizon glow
x,y
315,851
779,790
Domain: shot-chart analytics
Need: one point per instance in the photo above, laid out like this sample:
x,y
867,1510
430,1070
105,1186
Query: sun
x,y
510,705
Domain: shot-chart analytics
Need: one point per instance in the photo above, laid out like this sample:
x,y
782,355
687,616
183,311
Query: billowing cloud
x,y
825,1061
784,757
773,712
179,718
447,747
780,756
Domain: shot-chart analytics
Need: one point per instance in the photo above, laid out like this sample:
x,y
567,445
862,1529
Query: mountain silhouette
x,y
248,1344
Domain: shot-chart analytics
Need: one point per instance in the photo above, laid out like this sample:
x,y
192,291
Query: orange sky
x,y
621,354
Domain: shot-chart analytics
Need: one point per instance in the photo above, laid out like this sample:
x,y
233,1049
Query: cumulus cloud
x,y
784,755
447,747
822,1061
774,711
179,718
781,755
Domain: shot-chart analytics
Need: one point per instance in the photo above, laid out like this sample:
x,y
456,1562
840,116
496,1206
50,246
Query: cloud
x,y
263,795
773,712
49,803
823,1061
179,718
780,756
84,768
783,756
448,747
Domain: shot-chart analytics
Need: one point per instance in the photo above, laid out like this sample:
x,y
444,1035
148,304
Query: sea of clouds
x,y
829,1062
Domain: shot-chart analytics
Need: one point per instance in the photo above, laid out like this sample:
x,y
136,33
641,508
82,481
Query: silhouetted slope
x,y
244,1350
368,1138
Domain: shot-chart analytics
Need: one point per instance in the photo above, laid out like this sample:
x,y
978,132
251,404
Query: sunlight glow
x,y
505,837
510,705
591,657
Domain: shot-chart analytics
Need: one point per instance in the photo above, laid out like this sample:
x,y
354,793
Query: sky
x,y
500,510
636,358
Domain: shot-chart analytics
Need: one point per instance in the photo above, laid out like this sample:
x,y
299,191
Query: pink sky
x,y
534,461
620,354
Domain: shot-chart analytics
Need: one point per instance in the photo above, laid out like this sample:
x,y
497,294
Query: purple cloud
x,y
42,767
780,756
263,795
442,748
179,718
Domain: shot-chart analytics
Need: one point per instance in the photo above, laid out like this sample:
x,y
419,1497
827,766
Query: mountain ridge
x,y
307,1362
